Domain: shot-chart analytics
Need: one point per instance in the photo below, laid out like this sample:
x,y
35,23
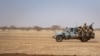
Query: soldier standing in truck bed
x,y
85,28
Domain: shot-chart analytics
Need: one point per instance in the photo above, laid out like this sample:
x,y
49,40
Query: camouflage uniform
x,y
85,28
80,31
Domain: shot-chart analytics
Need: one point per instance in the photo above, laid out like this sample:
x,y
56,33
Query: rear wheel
x,y
59,39
84,38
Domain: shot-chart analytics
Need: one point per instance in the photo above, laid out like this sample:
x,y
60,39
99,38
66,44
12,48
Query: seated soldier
x,y
80,30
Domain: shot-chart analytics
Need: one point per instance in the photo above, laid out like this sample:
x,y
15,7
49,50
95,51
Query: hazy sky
x,y
46,13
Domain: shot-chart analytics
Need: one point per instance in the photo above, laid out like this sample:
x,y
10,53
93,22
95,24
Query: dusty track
x,y
41,42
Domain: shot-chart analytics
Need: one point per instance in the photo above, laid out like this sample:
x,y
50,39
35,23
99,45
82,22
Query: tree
x,y
56,27
38,28
4,28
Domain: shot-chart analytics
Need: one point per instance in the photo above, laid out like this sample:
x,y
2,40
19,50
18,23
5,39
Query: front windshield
x,y
71,30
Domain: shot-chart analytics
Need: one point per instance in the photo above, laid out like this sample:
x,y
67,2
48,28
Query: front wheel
x,y
59,39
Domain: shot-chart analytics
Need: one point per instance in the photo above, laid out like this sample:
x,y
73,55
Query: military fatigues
x,y
80,31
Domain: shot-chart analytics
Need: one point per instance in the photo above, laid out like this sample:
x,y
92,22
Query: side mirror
x,y
68,31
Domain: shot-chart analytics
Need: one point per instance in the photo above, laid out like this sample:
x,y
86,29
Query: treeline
x,y
38,28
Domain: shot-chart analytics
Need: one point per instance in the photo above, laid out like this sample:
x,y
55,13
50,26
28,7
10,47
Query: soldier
x,y
79,28
80,31
85,28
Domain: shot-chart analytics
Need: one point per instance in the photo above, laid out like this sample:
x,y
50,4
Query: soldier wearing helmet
x,y
85,26
80,30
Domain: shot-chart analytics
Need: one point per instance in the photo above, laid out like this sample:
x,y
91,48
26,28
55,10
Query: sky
x,y
46,13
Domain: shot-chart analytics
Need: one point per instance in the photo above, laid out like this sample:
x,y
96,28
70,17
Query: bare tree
x,y
56,27
4,28
38,28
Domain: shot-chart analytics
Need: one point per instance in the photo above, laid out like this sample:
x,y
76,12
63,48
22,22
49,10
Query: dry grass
x,y
41,42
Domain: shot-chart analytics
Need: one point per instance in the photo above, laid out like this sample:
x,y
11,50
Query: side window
x,y
76,30
71,29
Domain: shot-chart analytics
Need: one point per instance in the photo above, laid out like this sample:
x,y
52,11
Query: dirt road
x,y
41,42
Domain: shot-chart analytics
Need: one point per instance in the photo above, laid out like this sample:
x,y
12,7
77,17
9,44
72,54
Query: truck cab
x,y
71,33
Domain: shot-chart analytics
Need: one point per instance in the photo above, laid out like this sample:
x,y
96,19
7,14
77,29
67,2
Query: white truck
x,y
74,33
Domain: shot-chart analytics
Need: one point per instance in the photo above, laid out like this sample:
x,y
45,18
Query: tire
x,y
84,38
59,39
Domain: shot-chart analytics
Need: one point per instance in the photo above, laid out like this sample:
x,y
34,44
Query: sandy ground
x,y
41,42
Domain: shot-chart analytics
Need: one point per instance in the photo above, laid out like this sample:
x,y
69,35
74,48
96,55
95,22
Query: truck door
x,y
72,33
67,33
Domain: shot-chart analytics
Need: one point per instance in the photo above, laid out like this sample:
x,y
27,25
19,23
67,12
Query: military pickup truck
x,y
75,33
